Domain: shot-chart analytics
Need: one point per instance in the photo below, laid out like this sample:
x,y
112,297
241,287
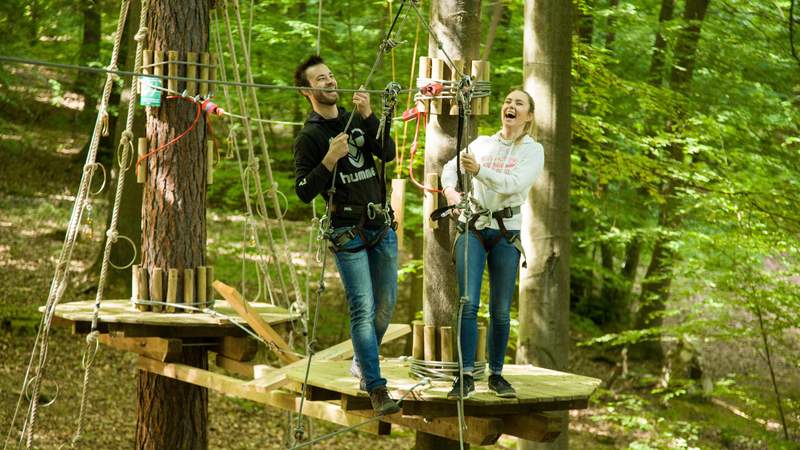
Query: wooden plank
x,y
417,347
241,368
156,288
237,348
446,344
272,379
430,340
430,408
155,348
280,399
479,430
533,427
254,320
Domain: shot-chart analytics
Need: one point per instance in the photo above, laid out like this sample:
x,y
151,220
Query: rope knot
x,y
112,235
126,138
141,34
92,337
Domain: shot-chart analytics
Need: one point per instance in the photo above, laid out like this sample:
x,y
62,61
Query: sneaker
x,y
382,403
355,371
469,388
501,387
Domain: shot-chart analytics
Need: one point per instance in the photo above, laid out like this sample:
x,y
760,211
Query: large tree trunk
x,y
88,84
655,288
172,414
544,285
660,45
457,25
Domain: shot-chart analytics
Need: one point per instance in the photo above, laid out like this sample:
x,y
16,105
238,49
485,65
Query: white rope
x,y
61,275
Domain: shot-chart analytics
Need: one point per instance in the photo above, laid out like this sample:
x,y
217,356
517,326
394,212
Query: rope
x,y
59,282
111,70
442,370
177,138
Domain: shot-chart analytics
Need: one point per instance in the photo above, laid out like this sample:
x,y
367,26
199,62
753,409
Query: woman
x,y
502,169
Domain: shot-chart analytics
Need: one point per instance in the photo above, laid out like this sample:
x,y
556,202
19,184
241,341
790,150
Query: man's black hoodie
x,y
357,179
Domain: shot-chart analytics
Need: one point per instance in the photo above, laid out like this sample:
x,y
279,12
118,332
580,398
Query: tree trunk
x,y
660,45
172,414
655,288
611,35
544,285
585,19
457,24
87,84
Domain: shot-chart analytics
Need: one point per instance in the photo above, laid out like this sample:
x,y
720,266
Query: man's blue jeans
x,y
369,277
503,261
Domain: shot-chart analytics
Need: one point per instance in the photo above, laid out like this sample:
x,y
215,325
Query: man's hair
x,y
300,78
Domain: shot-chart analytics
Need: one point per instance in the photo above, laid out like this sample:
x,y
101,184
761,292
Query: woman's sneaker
x,y
382,403
469,388
501,387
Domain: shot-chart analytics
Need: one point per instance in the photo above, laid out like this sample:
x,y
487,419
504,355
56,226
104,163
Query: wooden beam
x,y
280,399
480,430
152,347
533,427
237,348
429,408
284,352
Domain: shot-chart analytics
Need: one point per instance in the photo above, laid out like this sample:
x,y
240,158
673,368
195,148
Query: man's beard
x,y
326,98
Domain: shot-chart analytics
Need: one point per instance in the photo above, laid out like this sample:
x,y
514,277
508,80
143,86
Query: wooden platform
x,y
537,389
121,317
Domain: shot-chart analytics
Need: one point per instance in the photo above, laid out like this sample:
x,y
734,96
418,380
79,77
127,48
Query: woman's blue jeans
x,y
369,277
503,260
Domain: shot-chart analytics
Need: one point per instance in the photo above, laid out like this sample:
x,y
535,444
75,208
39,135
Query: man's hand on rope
x,y
361,102
469,164
337,149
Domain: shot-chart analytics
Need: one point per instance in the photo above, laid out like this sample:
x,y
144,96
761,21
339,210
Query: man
x,y
361,234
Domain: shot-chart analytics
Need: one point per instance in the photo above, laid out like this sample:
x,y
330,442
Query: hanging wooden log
x,y
191,72
437,73
172,66
455,75
172,290
143,291
424,72
399,206
418,341
188,287
430,201
204,61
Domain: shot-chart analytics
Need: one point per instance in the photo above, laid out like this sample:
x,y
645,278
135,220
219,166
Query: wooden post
x,y
430,201
210,167
487,76
202,288
446,343
172,65
135,282
141,170
209,287
424,72
212,73
480,350
158,68
204,61
172,289
188,287
429,343
147,59
418,342
437,73
144,292
157,288
477,73
399,206
455,76
191,72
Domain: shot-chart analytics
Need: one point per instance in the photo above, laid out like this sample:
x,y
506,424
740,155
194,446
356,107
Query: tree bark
x,y
544,285
660,44
457,25
172,414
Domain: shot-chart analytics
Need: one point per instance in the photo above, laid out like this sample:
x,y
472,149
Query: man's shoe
x,y
501,387
469,388
382,403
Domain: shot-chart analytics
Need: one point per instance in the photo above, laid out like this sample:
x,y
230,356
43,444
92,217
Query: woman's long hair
x,y
531,126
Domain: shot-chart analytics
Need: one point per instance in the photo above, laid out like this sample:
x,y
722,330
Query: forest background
x,y
684,186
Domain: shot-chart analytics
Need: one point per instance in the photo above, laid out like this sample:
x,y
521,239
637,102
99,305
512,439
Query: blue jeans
x,y
503,261
369,277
